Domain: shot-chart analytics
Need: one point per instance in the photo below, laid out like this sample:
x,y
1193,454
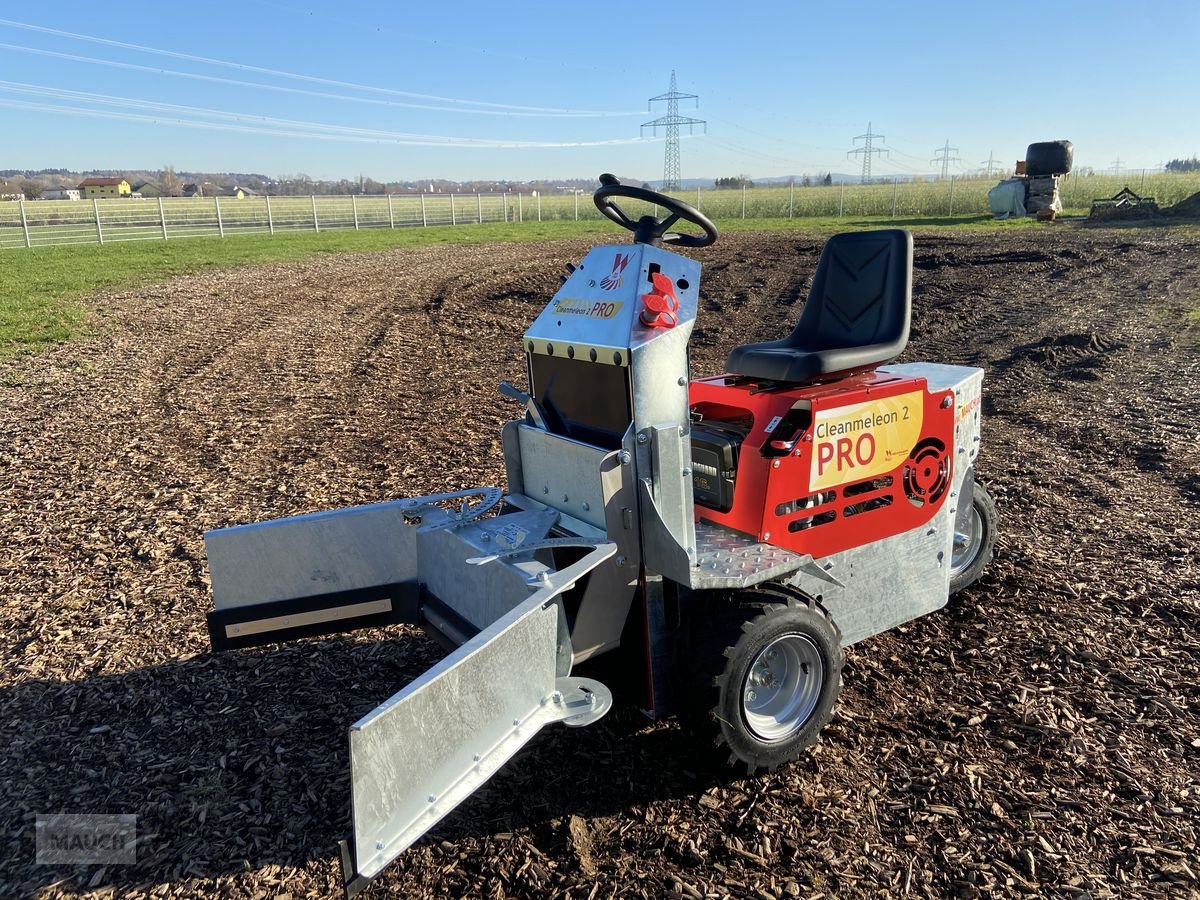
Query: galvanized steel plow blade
x,y
417,756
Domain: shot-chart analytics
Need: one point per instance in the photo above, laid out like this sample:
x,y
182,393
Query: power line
x,y
737,126
866,151
744,151
280,88
279,73
990,162
240,122
274,132
943,156
155,106
671,122
898,149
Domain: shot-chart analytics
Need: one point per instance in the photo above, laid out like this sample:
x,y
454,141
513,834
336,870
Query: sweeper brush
x,y
726,536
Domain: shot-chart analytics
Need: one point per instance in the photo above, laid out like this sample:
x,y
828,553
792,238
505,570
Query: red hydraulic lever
x,y
660,304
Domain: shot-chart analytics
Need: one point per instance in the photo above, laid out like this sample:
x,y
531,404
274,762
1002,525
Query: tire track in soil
x,y
1034,737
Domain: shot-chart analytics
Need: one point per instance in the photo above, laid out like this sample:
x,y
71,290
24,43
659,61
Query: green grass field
x,y
42,290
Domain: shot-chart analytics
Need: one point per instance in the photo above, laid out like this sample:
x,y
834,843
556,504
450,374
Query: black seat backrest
x,y
860,294
856,316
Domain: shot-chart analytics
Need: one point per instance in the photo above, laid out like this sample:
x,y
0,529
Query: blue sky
x,y
784,86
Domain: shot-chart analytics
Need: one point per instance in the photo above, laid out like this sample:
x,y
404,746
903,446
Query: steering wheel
x,y
650,229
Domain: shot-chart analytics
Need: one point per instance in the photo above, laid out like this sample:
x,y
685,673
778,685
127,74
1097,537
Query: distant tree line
x,y
169,182
1183,165
737,182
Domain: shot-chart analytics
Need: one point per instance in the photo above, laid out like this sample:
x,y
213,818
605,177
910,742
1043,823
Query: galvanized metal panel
x,y
511,441
482,594
417,756
305,556
671,469
887,586
599,304
658,365
611,587
562,473
726,559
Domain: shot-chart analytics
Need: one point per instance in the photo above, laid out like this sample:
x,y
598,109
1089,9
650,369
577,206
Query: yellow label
x,y
862,440
601,309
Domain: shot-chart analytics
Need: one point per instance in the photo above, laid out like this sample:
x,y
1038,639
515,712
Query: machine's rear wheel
x,y
770,671
973,544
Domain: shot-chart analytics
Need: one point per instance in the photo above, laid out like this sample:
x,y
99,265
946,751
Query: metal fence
x,y
46,223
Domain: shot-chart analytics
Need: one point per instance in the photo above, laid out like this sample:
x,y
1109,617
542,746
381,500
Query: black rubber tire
x,y
1049,158
984,509
734,635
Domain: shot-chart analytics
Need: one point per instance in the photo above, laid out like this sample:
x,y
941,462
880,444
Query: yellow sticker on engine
x,y
601,309
862,440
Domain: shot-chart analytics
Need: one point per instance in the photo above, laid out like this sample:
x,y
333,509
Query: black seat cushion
x,y
856,316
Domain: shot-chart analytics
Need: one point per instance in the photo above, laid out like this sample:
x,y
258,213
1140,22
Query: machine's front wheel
x,y
770,676
973,544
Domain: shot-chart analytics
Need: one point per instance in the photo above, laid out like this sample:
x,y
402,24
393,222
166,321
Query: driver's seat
x,y
856,316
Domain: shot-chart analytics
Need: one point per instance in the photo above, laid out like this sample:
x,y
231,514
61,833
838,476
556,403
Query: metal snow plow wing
x,y
417,756
486,585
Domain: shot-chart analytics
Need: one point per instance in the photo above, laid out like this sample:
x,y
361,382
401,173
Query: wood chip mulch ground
x,y
1040,736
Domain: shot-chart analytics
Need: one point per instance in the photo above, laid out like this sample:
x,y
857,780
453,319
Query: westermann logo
x,y
616,277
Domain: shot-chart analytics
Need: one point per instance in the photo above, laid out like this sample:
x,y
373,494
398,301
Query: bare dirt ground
x,y
1041,736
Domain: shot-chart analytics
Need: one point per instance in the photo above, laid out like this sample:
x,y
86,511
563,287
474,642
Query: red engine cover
x,y
872,458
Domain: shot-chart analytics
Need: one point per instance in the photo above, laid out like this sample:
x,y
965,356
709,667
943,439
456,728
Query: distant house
x,y
208,189
60,194
148,189
104,188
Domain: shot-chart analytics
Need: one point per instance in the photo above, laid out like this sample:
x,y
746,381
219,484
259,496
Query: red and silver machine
x,y
728,535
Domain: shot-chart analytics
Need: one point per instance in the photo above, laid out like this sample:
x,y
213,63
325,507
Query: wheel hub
x,y
966,545
782,687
